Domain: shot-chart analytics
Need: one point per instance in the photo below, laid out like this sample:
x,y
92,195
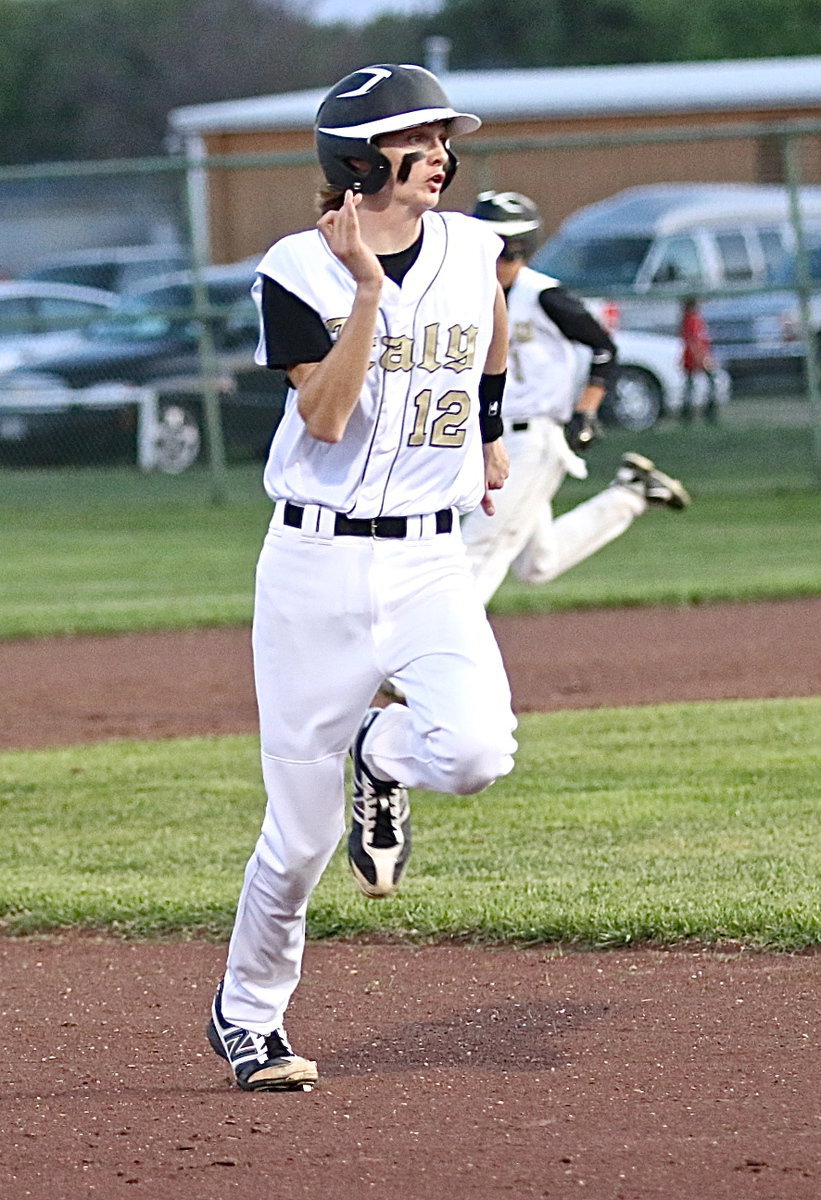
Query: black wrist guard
x,y
491,389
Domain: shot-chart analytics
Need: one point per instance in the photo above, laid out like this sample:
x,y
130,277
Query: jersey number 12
x,y
448,428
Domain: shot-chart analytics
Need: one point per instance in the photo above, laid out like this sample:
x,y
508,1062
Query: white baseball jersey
x,y
542,363
413,444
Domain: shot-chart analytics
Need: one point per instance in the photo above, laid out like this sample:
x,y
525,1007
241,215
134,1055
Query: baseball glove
x,y
581,430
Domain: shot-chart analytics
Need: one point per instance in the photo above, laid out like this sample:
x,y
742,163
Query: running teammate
x,y
548,421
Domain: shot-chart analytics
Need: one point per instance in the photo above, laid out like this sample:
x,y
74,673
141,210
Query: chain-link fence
x,y
145,356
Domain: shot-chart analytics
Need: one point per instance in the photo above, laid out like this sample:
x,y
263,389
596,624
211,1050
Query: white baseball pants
x,y
523,534
333,618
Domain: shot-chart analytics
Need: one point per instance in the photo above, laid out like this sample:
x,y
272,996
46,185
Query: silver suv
x,y
646,247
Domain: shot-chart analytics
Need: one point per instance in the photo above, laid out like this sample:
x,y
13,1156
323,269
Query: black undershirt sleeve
x,y
577,324
292,331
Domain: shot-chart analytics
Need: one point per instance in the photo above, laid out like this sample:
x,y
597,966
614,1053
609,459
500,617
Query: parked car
x,y
150,343
646,247
761,335
39,319
153,332
44,422
117,268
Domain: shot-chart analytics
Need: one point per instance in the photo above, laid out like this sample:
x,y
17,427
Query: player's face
x,y
418,157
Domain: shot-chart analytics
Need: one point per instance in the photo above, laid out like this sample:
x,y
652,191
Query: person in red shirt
x,y
697,359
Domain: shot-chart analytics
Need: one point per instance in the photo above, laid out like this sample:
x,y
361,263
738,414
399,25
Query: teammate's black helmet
x,y
514,217
373,100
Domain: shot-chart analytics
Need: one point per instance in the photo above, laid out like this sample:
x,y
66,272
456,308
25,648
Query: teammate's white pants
x,y
333,618
523,533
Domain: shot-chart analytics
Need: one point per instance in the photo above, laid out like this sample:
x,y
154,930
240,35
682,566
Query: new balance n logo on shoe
x,y
241,1045
260,1062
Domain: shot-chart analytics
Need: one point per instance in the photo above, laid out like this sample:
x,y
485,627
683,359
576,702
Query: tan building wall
x,y
249,208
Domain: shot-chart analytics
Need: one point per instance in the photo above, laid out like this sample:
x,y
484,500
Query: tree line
x,y
82,79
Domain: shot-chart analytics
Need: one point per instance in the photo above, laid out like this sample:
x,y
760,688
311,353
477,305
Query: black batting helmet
x,y
379,99
514,217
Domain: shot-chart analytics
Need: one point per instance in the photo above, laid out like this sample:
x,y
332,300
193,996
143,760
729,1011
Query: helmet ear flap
x,y
337,156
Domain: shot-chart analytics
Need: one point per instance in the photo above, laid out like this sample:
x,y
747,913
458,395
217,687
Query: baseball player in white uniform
x,y
391,325
546,423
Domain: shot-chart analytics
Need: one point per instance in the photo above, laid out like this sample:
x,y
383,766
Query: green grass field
x,y
651,824
694,821
111,550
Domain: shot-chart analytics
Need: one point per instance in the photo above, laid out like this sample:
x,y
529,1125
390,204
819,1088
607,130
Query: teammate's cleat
x,y
642,475
261,1063
379,843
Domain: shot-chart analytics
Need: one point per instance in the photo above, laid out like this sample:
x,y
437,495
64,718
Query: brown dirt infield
x,y
59,691
473,1072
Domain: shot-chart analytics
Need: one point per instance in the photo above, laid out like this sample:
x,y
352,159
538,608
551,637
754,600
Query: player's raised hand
x,y
340,228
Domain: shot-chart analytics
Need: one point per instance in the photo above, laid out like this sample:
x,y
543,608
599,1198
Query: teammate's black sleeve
x,y
577,324
292,331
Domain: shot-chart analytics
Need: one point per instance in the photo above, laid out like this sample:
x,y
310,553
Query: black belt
x,y
520,426
377,527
